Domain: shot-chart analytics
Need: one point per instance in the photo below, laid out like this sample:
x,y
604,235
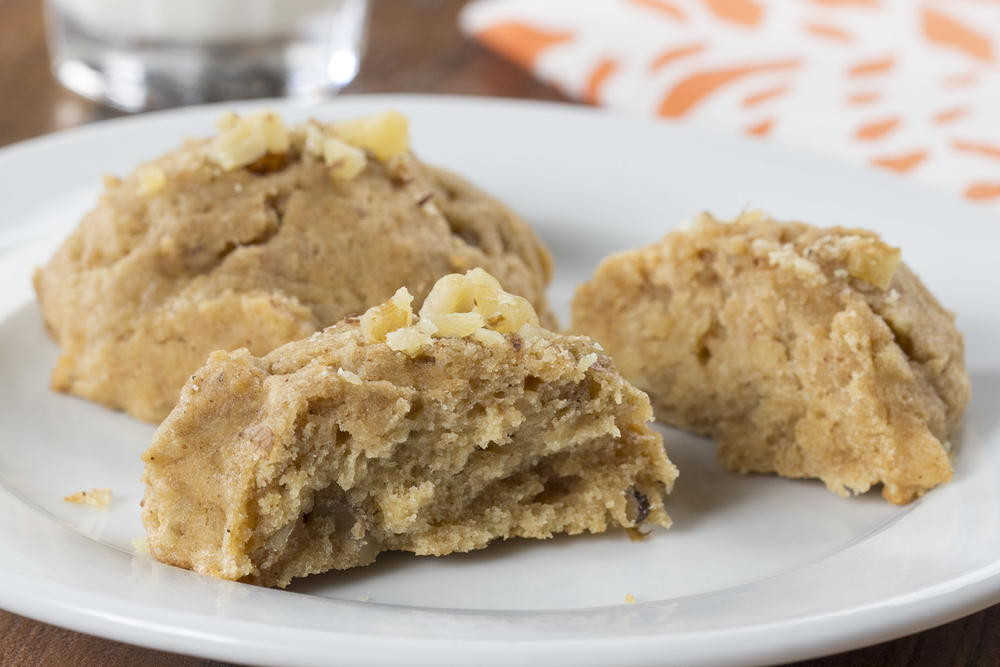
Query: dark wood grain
x,y
414,47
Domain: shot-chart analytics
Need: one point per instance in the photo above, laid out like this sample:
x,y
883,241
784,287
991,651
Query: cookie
x,y
802,351
432,435
259,236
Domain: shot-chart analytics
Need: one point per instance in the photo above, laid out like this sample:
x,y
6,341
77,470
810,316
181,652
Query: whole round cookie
x,y
258,237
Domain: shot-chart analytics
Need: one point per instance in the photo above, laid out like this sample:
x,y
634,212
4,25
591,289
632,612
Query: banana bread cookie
x,y
257,237
803,351
433,436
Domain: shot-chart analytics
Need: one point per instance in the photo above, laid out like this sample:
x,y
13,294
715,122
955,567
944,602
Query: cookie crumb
x,y
629,598
99,498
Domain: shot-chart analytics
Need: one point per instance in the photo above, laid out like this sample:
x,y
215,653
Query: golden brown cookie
x,y
803,351
432,435
257,237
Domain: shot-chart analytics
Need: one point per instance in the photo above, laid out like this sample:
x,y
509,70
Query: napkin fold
x,y
905,85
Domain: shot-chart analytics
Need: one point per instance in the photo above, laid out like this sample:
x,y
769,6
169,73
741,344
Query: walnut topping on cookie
x,y
244,140
873,261
152,179
385,135
458,306
262,139
395,313
345,161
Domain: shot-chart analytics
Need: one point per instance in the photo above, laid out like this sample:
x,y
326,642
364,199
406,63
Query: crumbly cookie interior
x,y
332,449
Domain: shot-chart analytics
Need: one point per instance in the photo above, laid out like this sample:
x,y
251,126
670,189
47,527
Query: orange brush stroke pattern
x,y
864,98
981,191
828,32
960,80
744,12
948,115
975,147
877,129
662,6
764,95
761,129
520,42
901,163
600,74
870,67
671,55
945,30
690,91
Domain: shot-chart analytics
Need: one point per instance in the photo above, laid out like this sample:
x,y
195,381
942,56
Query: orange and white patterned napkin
x,y
907,85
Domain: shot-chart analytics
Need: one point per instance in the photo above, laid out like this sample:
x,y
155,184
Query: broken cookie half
x,y
432,434
803,351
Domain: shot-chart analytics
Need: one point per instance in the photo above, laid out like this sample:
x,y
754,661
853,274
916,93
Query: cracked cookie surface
x,y
803,351
334,448
185,256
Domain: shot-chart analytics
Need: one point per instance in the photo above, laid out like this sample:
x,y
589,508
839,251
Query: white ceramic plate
x,y
755,569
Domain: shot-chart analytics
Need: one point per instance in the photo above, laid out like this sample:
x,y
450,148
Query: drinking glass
x,y
145,54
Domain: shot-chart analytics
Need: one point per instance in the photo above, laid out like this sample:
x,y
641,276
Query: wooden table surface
x,y
414,47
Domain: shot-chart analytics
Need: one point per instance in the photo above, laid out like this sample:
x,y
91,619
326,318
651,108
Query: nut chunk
x,y
471,305
803,351
334,448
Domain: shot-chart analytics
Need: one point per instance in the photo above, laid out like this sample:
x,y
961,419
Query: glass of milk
x,y
147,54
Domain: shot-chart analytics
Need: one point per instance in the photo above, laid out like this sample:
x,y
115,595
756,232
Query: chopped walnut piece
x,y
99,498
385,135
243,141
873,261
477,291
345,161
452,293
488,337
456,325
503,311
410,340
395,313
314,136
472,305
152,179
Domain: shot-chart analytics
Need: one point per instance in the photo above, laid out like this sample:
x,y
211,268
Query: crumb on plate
x,y
100,498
